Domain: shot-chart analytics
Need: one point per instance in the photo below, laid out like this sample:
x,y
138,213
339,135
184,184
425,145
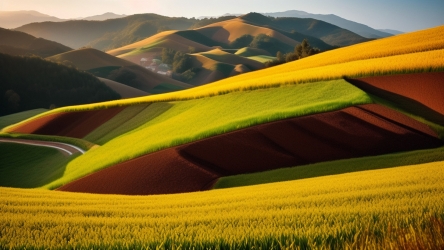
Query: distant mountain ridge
x,y
358,28
394,32
15,19
104,16
115,33
108,34
21,44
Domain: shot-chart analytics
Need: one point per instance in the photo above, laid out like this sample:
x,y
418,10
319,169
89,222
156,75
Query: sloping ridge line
x,y
273,145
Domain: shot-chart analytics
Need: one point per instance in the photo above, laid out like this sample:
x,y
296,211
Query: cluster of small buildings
x,y
156,66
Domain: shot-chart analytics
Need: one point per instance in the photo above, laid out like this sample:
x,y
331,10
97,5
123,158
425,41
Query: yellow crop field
x,y
286,74
392,208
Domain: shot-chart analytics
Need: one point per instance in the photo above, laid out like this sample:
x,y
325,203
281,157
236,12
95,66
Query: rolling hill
x,y
329,33
115,33
352,140
237,40
107,34
255,98
14,19
104,16
107,66
358,28
18,43
31,83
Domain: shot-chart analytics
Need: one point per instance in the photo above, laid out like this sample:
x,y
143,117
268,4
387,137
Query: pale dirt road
x,y
65,149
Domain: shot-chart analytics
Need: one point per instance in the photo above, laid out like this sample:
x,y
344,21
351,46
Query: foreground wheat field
x,y
398,208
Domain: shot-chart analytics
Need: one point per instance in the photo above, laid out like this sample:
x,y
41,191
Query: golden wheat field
x,y
398,208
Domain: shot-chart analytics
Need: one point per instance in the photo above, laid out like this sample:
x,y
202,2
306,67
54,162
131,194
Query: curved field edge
x,y
83,144
399,206
170,124
420,56
27,166
333,168
8,120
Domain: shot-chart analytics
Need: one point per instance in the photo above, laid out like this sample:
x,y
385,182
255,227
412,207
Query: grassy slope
x,y
232,29
262,58
161,39
368,209
168,124
333,168
248,51
225,57
88,58
346,165
28,166
17,117
426,48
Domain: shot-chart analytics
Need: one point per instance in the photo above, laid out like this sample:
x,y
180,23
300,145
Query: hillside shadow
x,y
25,166
404,103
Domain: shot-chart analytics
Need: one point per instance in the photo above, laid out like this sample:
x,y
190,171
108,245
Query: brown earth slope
x,y
71,124
352,132
420,93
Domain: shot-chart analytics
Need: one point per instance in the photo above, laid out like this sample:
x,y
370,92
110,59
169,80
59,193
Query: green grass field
x,y
17,117
167,124
333,168
248,51
27,166
395,208
262,58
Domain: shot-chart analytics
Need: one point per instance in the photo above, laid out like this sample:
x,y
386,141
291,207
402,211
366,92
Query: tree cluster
x,y
300,51
31,82
182,65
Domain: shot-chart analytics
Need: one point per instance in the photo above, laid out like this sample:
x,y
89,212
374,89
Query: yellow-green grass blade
x,y
378,209
169,124
28,166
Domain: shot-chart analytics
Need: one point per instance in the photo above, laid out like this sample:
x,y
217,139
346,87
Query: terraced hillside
x,y
345,128
253,99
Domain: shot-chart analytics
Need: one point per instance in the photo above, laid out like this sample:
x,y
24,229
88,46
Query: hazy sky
x,y
404,15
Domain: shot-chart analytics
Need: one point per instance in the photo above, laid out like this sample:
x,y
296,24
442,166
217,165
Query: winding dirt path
x,y
65,149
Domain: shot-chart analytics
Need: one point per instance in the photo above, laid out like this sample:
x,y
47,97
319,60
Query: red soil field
x,y
425,88
157,173
71,124
352,132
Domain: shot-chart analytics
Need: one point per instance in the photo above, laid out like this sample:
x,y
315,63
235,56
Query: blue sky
x,y
404,15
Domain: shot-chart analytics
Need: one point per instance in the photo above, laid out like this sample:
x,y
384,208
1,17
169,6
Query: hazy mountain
x,y
14,19
329,33
108,34
21,44
394,32
358,28
105,16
